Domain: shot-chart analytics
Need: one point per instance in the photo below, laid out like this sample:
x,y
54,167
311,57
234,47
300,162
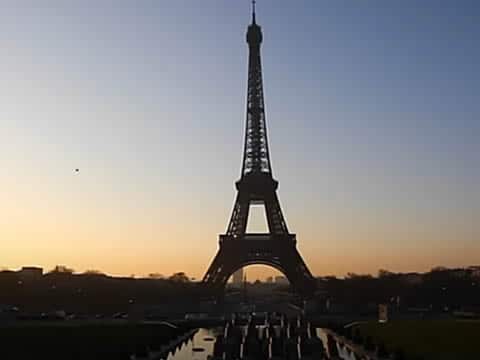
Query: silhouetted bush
x,y
340,330
348,333
399,354
382,350
369,344
357,337
418,357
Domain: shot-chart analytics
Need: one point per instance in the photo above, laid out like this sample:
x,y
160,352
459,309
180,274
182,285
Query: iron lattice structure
x,y
277,248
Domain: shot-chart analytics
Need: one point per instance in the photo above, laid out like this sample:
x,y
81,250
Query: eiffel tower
x,y
256,186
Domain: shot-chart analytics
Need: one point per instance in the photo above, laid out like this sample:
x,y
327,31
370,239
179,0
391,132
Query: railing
x,y
259,237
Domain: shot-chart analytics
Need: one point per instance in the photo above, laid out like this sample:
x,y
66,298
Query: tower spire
x,y
253,12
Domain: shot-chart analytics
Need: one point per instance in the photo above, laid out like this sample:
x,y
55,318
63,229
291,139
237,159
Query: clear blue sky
x,y
372,108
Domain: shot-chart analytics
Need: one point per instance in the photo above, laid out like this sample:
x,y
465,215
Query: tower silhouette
x,y
256,186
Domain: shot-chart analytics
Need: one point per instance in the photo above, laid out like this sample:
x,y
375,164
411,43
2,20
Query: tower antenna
x,y
253,11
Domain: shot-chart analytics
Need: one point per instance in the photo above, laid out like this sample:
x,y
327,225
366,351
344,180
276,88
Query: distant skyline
x,y
372,113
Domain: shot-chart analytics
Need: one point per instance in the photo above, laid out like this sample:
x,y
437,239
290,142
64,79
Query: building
x,y
281,280
8,313
474,271
412,278
237,278
30,273
459,273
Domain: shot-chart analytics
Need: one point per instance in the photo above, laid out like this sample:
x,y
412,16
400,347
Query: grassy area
x,y
428,339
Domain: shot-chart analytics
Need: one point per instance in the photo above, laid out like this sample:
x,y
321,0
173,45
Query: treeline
x,y
91,292
441,289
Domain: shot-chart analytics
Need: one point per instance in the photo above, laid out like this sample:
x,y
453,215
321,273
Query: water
x,y
198,341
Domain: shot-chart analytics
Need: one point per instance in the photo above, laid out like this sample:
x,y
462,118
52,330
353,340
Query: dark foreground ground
x,y
84,340
428,339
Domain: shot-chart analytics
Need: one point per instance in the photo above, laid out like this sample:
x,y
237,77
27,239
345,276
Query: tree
x,y
179,277
62,269
369,345
156,276
93,272
357,337
351,275
382,350
348,332
382,273
399,354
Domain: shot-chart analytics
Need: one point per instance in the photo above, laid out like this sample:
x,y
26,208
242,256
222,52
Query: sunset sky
x,y
373,115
